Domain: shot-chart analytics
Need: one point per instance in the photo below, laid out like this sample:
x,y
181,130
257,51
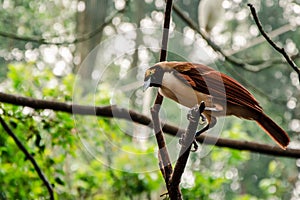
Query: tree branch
x,y
269,40
215,47
29,156
130,115
187,141
163,154
246,65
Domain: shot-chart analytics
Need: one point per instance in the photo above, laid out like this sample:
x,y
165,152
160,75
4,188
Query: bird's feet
x,y
195,146
192,114
196,110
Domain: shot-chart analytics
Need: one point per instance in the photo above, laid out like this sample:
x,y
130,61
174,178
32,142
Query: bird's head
x,y
154,76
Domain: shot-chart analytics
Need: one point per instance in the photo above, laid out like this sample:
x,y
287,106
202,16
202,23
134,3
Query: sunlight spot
x,y
81,6
296,8
298,162
66,54
159,3
17,54
229,175
31,55
146,23
272,189
49,53
235,186
157,16
27,111
292,103
126,27
290,46
6,4
143,54
294,78
108,30
227,4
253,30
120,4
242,14
188,179
295,125
116,21
59,68
189,36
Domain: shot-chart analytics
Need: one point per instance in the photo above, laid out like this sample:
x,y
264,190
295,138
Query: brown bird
x,y
189,84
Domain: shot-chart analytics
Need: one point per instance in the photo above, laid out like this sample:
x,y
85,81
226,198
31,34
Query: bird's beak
x,y
146,84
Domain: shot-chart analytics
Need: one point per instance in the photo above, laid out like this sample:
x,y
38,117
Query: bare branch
x,y
270,41
246,65
163,155
187,141
29,156
130,115
194,26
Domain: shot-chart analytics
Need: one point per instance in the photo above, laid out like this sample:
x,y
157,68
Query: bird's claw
x,y
202,120
195,146
190,116
198,109
180,141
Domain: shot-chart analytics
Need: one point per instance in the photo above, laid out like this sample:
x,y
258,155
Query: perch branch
x,y
130,115
270,41
29,156
187,141
163,155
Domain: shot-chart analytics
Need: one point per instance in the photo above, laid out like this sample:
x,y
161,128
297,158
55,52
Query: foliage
x,y
86,157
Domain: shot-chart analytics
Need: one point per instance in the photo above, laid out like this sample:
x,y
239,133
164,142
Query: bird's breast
x,y
182,93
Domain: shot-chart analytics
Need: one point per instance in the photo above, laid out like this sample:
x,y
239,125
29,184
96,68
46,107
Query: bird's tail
x,y
273,130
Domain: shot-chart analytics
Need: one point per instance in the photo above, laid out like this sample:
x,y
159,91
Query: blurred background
x,y
95,53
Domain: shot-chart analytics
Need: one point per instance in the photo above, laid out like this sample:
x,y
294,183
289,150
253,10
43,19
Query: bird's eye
x,y
152,72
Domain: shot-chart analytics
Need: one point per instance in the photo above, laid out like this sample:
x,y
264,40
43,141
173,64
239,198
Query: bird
x,y
189,84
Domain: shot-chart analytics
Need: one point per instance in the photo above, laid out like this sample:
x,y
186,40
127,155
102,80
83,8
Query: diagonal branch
x,y
248,66
214,46
130,115
270,41
29,156
187,141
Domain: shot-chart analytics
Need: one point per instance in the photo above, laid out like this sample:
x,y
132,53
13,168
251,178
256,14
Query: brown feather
x,y
220,86
224,91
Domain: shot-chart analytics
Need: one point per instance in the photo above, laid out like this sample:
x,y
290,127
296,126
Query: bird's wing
x,y
220,86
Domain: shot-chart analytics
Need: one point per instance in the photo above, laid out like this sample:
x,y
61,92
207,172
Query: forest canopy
x,y
93,54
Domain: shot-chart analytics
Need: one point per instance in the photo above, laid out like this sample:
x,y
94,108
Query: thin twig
x,y
215,47
29,156
246,65
132,116
270,41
